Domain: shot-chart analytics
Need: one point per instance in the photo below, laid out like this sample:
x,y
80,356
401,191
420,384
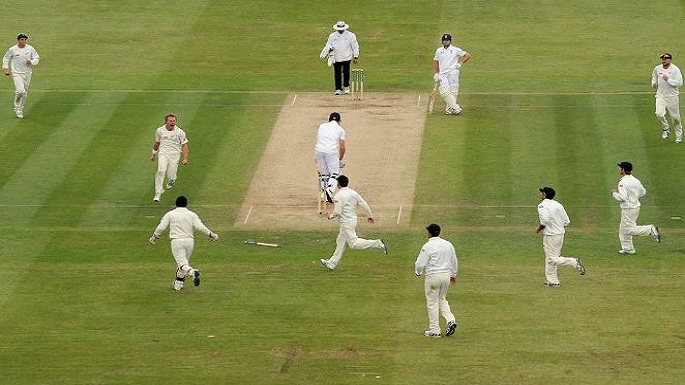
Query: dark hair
x,y
433,230
343,180
549,192
181,201
334,116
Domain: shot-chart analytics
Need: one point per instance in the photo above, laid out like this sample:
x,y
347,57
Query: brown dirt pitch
x,y
384,134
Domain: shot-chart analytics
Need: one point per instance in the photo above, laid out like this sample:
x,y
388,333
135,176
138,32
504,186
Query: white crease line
x,y
294,99
418,103
248,215
399,215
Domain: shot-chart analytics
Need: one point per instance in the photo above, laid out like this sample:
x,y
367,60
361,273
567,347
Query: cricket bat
x,y
431,98
252,242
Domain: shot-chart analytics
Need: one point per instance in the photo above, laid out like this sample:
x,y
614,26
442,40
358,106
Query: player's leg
x,y
551,244
340,243
162,166
172,171
356,243
337,77
19,93
346,76
447,96
182,250
673,108
627,221
660,112
333,166
431,290
453,79
443,305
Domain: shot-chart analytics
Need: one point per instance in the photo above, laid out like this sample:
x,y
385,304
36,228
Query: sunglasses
x,y
666,57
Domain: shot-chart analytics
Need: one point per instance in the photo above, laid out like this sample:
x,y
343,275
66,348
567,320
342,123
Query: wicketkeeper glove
x,y
213,236
153,239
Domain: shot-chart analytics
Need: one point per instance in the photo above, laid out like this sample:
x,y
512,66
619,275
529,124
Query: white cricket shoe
x,y
338,92
178,285
346,90
157,197
170,184
626,252
664,134
20,114
327,264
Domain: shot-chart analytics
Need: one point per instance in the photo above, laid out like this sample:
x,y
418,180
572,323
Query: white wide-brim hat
x,y
340,26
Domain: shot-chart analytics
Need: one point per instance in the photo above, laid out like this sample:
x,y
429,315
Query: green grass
x,y
555,94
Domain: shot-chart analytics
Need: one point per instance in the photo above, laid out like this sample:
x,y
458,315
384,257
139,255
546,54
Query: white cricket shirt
x,y
346,202
17,57
668,87
329,137
170,142
553,216
437,256
181,223
630,190
448,58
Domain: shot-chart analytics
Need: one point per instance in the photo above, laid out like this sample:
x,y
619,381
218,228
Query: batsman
x,y
447,62
330,153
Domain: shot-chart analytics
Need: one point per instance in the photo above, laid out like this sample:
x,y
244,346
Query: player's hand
x,y
213,236
453,281
665,77
153,239
7,71
152,158
184,162
355,60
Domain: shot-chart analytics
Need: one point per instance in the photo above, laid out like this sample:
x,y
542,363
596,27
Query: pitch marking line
x,y
399,215
248,214
294,99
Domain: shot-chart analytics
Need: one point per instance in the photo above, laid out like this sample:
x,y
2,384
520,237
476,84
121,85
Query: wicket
x,y
357,83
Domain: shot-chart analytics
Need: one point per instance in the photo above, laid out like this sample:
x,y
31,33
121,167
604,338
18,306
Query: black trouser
x,y
341,74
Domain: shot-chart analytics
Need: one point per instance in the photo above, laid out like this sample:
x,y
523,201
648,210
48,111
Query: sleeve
x,y
454,265
543,214
365,206
677,79
337,206
198,225
163,224
655,80
355,46
421,260
6,60
622,194
567,220
35,58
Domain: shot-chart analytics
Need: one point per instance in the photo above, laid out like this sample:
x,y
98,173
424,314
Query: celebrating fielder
x,y
181,223
666,79
330,151
447,62
170,142
18,62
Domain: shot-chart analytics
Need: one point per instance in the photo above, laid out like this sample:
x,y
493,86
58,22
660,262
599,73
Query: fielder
x,y
330,153
19,61
438,262
553,220
629,192
170,142
346,203
666,79
181,223
447,62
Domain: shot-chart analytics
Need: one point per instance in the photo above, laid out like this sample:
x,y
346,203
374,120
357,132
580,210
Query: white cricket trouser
x,y
329,168
21,89
670,104
182,250
450,82
165,165
436,287
629,228
348,236
552,245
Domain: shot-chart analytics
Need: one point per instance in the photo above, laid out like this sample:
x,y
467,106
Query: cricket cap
x,y
665,55
22,35
549,192
334,116
627,166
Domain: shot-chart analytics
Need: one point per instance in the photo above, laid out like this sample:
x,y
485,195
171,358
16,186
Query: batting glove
x,y
153,239
436,77
342,163
213,236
